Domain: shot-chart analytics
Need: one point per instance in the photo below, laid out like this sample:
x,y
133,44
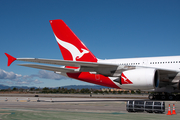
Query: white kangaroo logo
x,y
76,54
125,79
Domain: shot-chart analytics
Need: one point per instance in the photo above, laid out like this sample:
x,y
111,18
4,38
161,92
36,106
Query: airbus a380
x,y
160,75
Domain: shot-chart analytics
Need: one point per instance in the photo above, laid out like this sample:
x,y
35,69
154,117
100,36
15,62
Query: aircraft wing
x,y
50,68
100,68
66,62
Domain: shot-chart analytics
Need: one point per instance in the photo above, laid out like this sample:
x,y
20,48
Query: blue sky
x,y
109,28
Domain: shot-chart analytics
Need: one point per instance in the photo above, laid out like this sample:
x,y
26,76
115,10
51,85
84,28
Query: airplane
x,y
159,75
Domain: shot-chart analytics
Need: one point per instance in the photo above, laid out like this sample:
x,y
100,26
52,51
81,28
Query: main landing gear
x,y
163,96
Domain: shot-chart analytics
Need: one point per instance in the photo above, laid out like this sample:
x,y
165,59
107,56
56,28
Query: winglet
x,y
10,59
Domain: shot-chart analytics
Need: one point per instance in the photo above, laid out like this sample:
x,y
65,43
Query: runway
x,y
74,108
63,103
128,96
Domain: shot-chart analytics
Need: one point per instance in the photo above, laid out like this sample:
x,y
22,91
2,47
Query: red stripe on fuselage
x,y
93,78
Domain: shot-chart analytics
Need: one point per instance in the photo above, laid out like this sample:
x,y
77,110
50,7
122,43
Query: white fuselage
x,y
166,63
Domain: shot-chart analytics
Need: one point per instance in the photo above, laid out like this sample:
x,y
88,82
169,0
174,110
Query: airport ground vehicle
x,y
148,106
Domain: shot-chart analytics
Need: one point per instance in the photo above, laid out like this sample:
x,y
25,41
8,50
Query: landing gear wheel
x,y
163,97
170,97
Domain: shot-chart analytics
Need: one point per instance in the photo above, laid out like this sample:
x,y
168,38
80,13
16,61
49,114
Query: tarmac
x,y
76,107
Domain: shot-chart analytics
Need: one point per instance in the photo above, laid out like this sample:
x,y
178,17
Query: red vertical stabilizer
x,y
72,48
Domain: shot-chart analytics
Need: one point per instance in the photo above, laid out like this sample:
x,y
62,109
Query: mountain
x,y
68,87
11,87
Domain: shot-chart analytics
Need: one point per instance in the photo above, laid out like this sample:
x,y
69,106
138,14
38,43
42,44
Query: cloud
x,y
12,78
8,75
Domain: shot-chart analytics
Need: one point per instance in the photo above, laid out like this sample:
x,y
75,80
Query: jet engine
x,y
140,79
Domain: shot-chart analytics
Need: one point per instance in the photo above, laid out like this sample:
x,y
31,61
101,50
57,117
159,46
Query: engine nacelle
x,y
140,79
